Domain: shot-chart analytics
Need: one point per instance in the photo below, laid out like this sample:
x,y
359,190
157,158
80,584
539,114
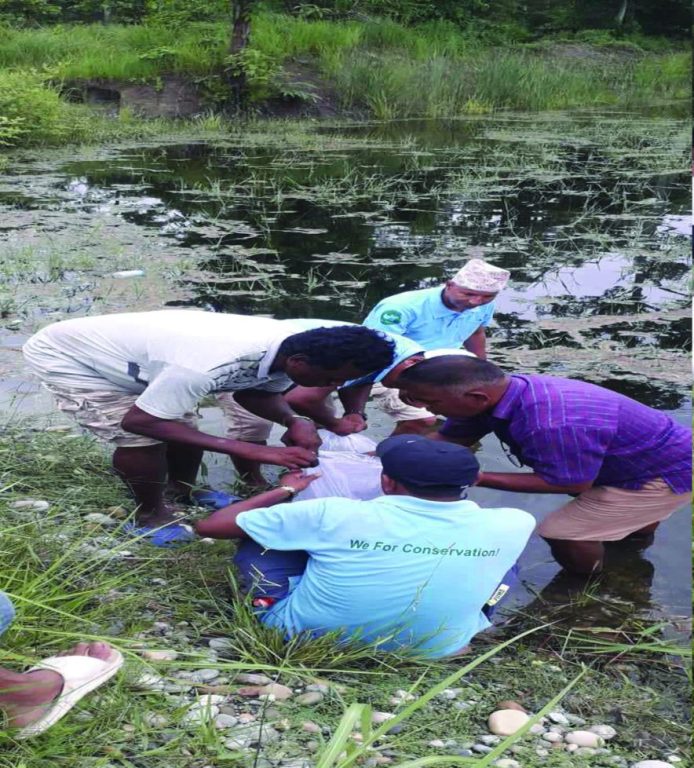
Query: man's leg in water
x,y
577,531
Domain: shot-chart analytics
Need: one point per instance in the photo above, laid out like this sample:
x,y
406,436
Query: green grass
x,y
377,66
73,580
116,52
33,113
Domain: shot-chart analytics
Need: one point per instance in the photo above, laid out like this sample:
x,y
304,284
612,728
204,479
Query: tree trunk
x,y
622,12
240,33
241,25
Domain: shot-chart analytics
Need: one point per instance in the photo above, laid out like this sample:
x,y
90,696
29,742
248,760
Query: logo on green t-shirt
x,y
391,317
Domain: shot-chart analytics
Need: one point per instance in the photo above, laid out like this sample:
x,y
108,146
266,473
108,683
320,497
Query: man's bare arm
x,y
168,431
527,482
477,343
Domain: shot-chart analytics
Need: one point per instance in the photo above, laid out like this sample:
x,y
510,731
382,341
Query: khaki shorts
x,y
605,513
242,424
388,400
102,411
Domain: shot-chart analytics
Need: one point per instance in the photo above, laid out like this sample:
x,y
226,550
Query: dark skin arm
x,y
274,407
222,523
314,402
477,343
354,399
526,482
142,423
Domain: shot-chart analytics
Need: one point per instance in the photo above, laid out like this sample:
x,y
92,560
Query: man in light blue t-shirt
x,y
444,317
414,569
450,316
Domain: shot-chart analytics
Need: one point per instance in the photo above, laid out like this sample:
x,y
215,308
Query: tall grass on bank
x,y
376,66
115,52
394,86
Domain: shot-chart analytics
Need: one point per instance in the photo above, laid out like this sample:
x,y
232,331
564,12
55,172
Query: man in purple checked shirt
x,y
628,466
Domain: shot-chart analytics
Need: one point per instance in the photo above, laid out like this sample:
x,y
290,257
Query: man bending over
x,y
135,379
628,466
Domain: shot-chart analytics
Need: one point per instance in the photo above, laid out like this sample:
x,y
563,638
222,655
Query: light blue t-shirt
x,y
423,317
410,572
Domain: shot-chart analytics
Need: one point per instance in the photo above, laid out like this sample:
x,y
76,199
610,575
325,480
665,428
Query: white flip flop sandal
x,y
81,675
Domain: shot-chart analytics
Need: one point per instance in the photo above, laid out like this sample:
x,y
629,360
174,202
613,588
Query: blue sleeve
x,y
390,317
285,526
488,314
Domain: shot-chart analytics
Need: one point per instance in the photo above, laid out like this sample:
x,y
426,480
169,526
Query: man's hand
x,y
298,480
349,424
303,434
291,458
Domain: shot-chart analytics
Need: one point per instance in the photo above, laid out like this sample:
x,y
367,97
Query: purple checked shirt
x,y
570,432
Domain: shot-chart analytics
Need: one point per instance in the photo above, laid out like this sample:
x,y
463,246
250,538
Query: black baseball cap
x,y
418,462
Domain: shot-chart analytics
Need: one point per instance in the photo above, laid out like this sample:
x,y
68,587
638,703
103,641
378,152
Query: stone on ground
x,y
504,722
583,739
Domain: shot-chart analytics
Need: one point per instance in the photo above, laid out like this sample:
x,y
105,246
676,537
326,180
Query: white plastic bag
x,y
356,443
345,469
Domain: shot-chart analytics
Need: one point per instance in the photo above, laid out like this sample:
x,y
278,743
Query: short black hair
x,y
333,347
452,371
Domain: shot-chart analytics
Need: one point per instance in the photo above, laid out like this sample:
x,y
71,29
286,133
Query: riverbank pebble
x,y
162,655
155,720
606,732
248,735
558,717
204,675
98,518
651,764
583,739
198,714
126,273
251,677
148,682
309,698
35,505
223,721
276,690
221,644
504,722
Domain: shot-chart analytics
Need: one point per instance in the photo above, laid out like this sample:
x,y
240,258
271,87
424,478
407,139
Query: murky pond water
x,y
590,212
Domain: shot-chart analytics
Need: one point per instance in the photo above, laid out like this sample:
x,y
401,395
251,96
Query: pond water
x,y
590,211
